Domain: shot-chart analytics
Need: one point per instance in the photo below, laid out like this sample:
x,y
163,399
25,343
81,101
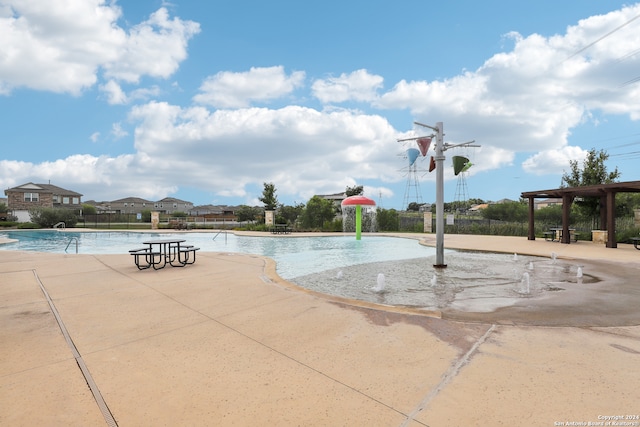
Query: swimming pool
x,y
294,256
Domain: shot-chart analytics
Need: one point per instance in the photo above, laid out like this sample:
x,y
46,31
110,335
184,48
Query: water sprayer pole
x,y
358,222
439,195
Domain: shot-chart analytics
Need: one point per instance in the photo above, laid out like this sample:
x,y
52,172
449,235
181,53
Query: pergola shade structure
x,y
605,192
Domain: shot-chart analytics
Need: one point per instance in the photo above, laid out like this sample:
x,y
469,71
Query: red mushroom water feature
x,y
358,201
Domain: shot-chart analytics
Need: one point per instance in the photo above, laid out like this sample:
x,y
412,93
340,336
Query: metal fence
x,y
136,221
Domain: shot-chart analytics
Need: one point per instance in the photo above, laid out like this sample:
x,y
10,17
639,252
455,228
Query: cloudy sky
x,y
206,101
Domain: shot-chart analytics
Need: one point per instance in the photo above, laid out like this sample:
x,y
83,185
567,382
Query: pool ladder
x,y
69,244
225,235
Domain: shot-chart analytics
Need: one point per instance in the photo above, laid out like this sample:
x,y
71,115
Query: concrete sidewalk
x,y
226,342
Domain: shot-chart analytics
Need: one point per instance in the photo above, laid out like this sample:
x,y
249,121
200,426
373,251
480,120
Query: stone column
x,y
428,222
268,217
155,220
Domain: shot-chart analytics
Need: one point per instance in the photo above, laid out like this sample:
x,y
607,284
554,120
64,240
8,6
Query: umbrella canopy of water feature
x,y
358,202
423,144
460,164
412,155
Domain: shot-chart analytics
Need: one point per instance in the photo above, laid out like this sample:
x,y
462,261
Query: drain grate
x,y
108,416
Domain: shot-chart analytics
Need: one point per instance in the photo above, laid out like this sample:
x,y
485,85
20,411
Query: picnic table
x,y
160,252
636,242
555,233
280,229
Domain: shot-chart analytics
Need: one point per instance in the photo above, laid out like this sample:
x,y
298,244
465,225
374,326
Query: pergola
x,y
606,193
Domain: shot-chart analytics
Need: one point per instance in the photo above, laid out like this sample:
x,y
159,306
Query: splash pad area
x,y
473,282
489,287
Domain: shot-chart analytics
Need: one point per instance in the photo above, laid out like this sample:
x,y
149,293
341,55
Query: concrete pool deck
x,y
227,342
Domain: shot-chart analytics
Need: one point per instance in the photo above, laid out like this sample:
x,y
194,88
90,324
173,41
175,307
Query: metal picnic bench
x,y
280,229
636,242
158,253
555,233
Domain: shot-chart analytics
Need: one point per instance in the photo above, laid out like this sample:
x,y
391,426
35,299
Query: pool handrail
x,y
71,240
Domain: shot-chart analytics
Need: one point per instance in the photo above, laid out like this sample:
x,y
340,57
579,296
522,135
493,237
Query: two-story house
x,y
29,196
169,205
129,205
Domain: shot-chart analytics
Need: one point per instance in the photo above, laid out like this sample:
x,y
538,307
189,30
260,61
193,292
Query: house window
x,y
76,201
31,197
55,198
65,200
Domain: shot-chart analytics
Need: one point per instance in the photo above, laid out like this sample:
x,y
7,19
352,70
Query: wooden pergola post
x,y
611,220
567,200
532,227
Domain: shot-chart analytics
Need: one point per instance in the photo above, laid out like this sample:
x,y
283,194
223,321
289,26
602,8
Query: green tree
x,y
269,196
549,215
593,172
626,203
317,212
289,214
4,210
146,215
88,209
387,219
247,213
414,207
354,191
508,211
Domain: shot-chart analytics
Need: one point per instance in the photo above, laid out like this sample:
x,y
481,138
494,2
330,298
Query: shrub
x,y
48,217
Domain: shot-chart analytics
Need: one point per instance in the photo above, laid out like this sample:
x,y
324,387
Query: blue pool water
x,y
294,256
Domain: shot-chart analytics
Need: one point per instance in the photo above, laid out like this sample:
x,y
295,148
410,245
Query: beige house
x,y
169,205
136,205
29,196
128,205
539,204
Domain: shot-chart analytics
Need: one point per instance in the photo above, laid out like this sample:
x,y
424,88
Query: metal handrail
x,y
61,224
71,240
225,235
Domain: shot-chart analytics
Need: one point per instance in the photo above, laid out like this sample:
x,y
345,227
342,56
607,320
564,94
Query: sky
x,y
207,101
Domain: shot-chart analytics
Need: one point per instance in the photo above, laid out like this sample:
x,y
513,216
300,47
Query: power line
x,y
602,38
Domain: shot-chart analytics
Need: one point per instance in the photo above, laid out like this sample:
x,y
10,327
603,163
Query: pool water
x,y
294,256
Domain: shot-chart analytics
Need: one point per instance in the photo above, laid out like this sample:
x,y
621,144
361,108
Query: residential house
x,y
169,205
29,196
336,198
539,204
129,205
211,212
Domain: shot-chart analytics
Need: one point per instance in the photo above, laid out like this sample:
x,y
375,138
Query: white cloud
x,y
59,45
153,48
117,131
95,136
553,161
115,94
296,146
237,90
357,86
